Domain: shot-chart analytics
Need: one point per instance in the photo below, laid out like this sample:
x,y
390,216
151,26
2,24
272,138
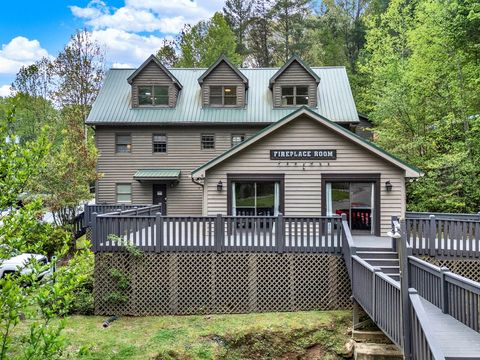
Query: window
x,y
237,139
208,141
152,95
159,143
123,143
223,95
124,193
294,95
252,198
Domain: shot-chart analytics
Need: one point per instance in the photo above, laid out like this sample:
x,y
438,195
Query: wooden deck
x,y
456,341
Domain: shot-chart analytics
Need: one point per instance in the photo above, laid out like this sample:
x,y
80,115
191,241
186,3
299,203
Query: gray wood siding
x,y
303,187
295,74
183,152
153,75
223,75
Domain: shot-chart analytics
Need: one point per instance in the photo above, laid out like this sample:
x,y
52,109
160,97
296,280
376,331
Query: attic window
x,y
294,95
223,95
153,95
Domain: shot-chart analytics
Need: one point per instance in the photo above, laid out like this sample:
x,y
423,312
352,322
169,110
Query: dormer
x,y
223,85
153,86
294,84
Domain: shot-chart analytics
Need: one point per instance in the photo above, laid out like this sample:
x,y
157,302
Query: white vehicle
x,y
22,263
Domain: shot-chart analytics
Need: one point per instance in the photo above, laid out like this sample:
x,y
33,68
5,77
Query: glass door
x,y
355,200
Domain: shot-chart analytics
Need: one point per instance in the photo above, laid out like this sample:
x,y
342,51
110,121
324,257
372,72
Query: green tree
x,y
289,28
259,38
167,54
238,14
200,45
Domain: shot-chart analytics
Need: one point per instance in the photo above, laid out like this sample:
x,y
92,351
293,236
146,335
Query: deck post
x,y
159,232
280,237
123,207
374,292
432,235
444,289
94,232
219,233
394,240
404,286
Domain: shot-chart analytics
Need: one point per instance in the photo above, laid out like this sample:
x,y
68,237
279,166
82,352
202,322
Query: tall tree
x,y
200,45
79,70
238,14
167,54
259,38
289,26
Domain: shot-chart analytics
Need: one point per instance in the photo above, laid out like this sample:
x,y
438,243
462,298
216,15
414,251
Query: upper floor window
x,y
294,95
223,95
237,139
123,143
159,143
208,141
153,95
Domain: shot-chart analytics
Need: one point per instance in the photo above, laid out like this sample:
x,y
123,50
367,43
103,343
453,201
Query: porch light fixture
x,y
388,186
219,186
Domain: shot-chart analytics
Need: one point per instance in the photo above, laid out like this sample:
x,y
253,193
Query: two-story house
x,y
241,141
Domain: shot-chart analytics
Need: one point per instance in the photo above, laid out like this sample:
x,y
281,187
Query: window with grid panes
x,y
153,95
237,139
223,95
123,143
208,141
294,95
159,143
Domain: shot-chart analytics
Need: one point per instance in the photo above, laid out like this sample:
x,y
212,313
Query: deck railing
x,y
455,295
107,208
444,235
380,297
156,233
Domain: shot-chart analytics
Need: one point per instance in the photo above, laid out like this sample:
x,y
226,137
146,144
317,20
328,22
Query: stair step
x,y
374,249
383,262
378,254
390,269
370,351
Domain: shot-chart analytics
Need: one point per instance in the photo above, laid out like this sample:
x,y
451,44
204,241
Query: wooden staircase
x,y
384,258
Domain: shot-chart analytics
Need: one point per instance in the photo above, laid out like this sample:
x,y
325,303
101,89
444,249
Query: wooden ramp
x,y
456,341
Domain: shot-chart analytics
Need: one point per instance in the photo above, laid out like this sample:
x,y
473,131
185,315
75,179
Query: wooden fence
x,y
444,235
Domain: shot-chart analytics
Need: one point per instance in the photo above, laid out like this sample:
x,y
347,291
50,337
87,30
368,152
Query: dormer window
x,y
294,95
223,95
154,95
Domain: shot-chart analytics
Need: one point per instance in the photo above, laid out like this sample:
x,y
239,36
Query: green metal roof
x,y
113,103
157,174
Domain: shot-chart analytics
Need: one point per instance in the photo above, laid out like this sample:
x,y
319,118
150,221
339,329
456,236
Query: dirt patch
x,y
324,342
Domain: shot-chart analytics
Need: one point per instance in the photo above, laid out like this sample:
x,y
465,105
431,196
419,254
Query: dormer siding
x,y
151,74
223,75
295,75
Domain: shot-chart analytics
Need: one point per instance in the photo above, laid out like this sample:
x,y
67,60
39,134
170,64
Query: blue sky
x,y
129,30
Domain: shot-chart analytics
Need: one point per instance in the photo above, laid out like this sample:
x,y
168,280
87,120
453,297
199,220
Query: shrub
x,y
77,275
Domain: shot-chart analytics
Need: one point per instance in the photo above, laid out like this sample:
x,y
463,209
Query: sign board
x,y
316,154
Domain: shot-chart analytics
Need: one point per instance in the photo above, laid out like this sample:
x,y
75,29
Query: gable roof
x,y
224,59
410,170
285,66
153,58
113,103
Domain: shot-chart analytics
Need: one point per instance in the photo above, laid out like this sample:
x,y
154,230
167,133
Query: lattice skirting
x,y
467,268
155,284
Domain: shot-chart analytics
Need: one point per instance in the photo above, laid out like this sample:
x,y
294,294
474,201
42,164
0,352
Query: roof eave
x,y
162,67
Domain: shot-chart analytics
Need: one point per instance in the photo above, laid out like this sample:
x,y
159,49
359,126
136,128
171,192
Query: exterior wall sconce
x,y
388,186
219,186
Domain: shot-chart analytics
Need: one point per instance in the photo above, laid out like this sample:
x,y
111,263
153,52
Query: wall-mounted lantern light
x,y
388,186
219,186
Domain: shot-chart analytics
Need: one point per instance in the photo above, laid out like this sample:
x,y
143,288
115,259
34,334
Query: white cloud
x,y
127,48
18,52
5,90
165,16
122,66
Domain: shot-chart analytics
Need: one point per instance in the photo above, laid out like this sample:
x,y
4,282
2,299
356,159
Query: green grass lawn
x,y
249,336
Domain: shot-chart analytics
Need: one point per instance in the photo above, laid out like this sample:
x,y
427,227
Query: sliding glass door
x,y
355,200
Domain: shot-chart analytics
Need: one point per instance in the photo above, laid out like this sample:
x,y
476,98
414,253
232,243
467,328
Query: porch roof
x,y
157,175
